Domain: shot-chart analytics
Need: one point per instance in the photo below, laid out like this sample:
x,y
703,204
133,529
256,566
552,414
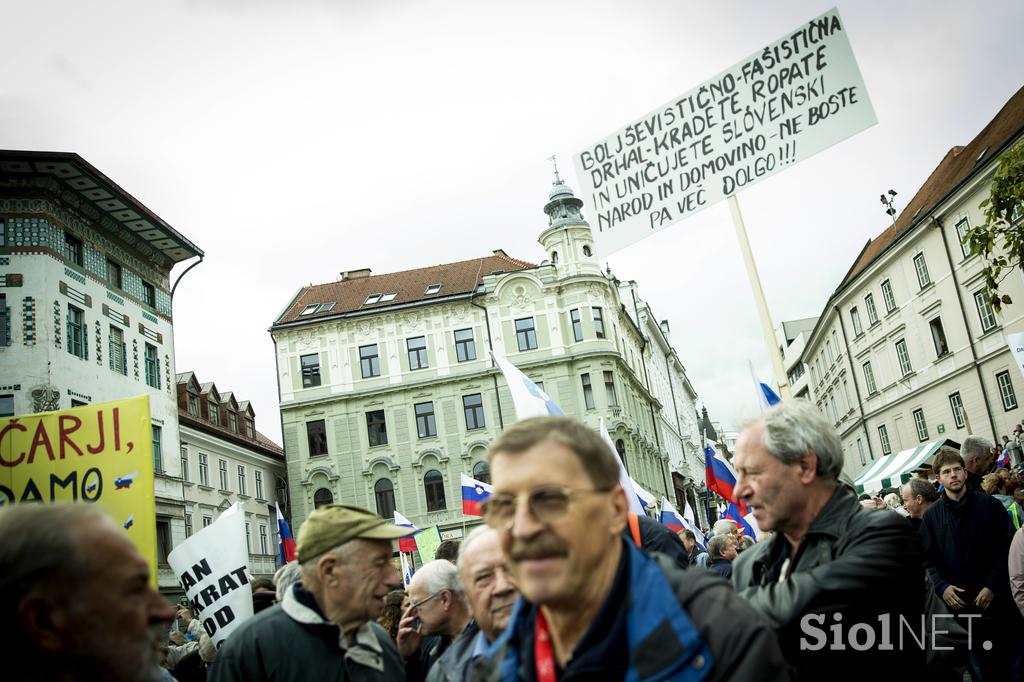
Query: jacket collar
x,y
365,649
833,517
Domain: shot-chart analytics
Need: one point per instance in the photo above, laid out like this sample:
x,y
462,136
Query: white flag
x,y
625,481
527,397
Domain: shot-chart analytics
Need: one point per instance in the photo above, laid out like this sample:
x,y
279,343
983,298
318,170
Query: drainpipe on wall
x,y
490,345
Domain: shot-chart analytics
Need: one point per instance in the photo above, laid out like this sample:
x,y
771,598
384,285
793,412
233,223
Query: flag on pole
x,y
671,518
720,476
406,569
527,397
474,493
733,512
1004,460
635,504
766,397
691,523
647,499
285,543
408,543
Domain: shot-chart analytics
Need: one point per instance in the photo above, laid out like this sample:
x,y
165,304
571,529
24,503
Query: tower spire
x,y
554,162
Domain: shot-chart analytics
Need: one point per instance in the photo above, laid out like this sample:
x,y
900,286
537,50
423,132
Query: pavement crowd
x,y
562,582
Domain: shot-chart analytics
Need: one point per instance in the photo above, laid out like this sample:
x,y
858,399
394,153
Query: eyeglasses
x,y
546,505
423,601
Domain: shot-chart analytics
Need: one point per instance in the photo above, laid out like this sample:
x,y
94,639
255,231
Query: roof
x,y
959,164
259,441
135,224
408,286
793,328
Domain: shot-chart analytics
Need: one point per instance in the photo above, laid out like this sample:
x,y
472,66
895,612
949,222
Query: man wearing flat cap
x,y
325,626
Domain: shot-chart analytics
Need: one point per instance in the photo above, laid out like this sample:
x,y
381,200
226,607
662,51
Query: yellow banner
x,y
99,454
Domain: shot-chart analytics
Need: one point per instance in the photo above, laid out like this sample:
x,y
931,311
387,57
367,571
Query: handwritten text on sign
x,y
783,104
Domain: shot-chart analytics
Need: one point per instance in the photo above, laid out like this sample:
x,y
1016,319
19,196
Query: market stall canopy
x,y
895,469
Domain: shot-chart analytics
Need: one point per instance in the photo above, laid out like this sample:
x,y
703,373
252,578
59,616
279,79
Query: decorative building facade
x,y
85,306
907,349
388,392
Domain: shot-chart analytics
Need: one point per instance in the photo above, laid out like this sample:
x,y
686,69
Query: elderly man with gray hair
x,y
438,608
829,561
978,454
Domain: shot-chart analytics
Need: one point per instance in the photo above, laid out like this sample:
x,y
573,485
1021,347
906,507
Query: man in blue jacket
x,y
593,605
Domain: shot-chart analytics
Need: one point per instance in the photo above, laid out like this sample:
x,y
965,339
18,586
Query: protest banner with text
x,y
786,102
98,454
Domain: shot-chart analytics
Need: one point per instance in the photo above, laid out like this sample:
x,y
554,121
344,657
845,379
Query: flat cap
x,y
335,524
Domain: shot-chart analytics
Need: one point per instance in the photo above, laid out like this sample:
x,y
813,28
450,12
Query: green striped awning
x,y
895,469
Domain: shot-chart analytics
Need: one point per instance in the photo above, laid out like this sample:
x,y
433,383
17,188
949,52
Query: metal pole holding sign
x,y
762,305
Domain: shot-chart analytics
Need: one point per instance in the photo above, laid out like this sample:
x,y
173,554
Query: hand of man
x,y
952,599
408,639
984,598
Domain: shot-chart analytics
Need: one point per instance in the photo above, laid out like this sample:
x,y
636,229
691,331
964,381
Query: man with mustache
x,y
592,604
491,593
76,598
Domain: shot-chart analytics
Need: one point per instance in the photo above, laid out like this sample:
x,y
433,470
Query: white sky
x,y
294,140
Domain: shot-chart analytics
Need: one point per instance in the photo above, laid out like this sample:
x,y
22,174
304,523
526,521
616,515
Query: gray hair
x,y
794,428
473,536
285,577
438,575
974,447
716,546
924,488
724,526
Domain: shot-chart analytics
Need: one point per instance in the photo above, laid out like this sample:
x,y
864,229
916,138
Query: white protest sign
x,y
1016,343
786,102
212,566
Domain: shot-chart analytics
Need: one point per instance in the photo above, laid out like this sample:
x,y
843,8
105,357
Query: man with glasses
x,y
966,539
438,608
593,604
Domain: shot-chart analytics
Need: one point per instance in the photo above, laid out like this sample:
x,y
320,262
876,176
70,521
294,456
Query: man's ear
x,y
809,467
619,509
327,569
43,622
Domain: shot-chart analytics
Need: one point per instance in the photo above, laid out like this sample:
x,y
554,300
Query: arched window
x,y
321,497
554,258
482,472
586,250
433,487
620,448
384,491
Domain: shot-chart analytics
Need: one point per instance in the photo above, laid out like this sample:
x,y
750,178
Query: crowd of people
x,y
563,582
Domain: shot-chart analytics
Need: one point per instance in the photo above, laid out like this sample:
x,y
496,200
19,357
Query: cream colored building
x,y
792,338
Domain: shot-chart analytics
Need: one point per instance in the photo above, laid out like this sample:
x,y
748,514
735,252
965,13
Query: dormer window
x,y
432,289
325,307
373,298
310,309
388,297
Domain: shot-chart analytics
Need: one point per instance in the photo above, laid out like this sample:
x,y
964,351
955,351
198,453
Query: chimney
x,y
348,275
666,331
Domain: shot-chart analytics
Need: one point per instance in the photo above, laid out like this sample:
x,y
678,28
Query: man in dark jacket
x,y
830,562
721,552
324,627
977,456
594,605
966,538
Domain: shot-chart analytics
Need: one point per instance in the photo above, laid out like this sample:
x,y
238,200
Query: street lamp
x,y
887,202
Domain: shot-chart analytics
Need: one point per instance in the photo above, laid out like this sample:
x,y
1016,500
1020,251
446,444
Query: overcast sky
x,y
293,140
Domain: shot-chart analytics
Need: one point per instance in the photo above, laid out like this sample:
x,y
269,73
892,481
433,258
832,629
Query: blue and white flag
x,y
647,499
766,397
690,522
406,570
528,398
635,504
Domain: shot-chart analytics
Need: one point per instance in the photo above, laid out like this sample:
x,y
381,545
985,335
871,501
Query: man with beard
x,y
76,597
593,605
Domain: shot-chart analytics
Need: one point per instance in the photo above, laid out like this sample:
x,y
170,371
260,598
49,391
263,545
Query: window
x,y
384,298
620,447
316,436
73,249
248,538
860,450
149,294
835,342
376,428
250,430
310,309
432,289
920,425
152,367
322,497
77,333
846,395
869,304
923,279
938,337
588,391
869,378
883,438
188,525
232,421
117,355
962,226
204,470
586,250
258,475
609,389
526,335
241,479
384,492
473,405
115,276
828,351
163,541
956,404
903,355
425,426
417,348
207,520
184,464
887,296
158,455
1006,390
214,412
986,314
465,347
598,323
5,321
482,472
433,488
223,474
372,298
310,370
193,404
369,361
263,539
577,326
855,319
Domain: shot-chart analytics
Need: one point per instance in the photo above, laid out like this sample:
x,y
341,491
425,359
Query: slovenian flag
x,y
635,505
647,499
766,397
720,476
130,521
1004,460
408,543
527,397
671,518
474,493
746,521
285,543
